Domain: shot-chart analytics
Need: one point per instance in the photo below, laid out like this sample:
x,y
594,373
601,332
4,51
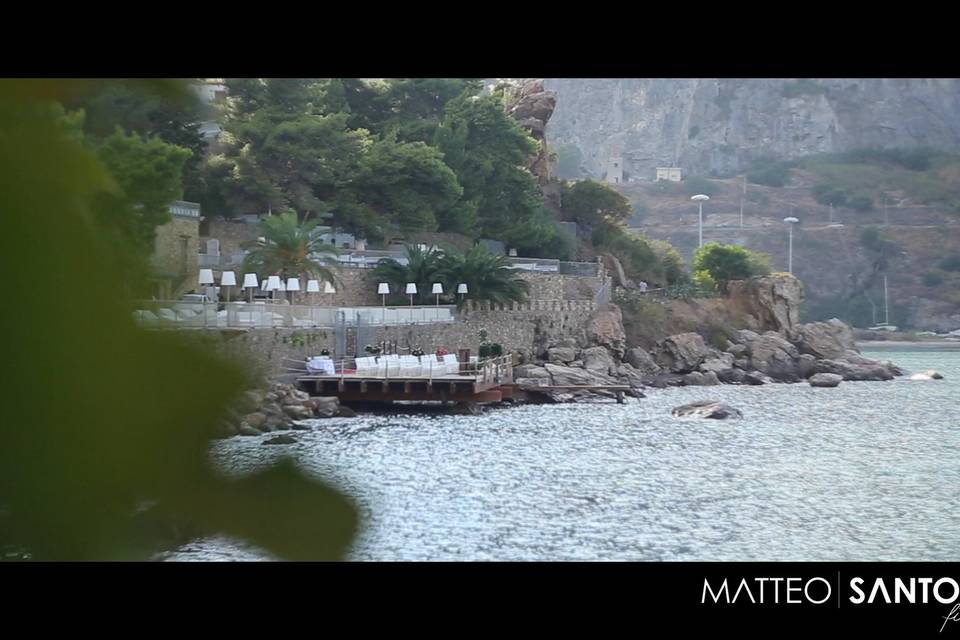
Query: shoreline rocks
x,y
279,408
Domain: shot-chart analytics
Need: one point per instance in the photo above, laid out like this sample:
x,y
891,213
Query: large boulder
x,y
771,354
707,409
717,362
326,407
562,355
641,361
627,374
773,300
564,376
681,353
695,378
605,329
851,371
825,380
530,371
597,359
824,340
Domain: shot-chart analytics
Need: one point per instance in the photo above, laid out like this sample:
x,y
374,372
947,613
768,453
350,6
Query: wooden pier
x,y
486,381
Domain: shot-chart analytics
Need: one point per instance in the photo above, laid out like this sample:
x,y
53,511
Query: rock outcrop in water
x,y
712,409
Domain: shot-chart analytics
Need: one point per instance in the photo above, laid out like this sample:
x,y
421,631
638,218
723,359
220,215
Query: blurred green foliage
x,y
106,427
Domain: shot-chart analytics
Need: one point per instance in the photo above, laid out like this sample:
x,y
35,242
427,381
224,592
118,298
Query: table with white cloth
x,y
321,364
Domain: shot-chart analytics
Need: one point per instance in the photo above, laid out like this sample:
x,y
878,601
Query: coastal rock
x,y
325,407
665,379
732,376
717,363
850,371
825,380
771,354
756,378
681,353
626,374
744,337
255,419
346,412
562,376
605,329
597,359
695,378
805,365
280,439
774,300
712,409
641,361
298,411
246,430
562,355
824,340
929,374
736,350
530,371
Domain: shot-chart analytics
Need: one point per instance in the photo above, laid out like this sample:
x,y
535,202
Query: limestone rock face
x,y
605,329
562,376
531,105
717,363
824,340
530,371
681,353
722,125
773,300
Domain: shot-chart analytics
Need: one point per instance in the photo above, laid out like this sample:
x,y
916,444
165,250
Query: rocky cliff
x,y
721,126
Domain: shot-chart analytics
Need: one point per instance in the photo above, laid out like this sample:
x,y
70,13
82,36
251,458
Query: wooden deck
x,y
484,383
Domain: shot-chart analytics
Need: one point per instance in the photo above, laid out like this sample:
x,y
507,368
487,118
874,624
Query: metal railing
x,y
167,314
497,370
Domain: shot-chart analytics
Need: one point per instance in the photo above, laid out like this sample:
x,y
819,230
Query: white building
x,y
614,173
668,173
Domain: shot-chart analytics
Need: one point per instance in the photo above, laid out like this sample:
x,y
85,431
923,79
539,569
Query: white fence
x,y
197,315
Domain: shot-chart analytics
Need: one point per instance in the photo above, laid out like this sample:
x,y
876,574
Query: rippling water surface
x,y
865,471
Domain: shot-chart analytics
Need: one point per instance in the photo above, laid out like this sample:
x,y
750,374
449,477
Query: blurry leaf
x,y
100,416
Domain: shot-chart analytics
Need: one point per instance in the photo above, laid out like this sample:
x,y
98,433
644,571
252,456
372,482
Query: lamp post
x,y
293,284
273,285
462,290
437,290
743,197
206,278
411,291
383,289
250,283
228,279
790,222
700,199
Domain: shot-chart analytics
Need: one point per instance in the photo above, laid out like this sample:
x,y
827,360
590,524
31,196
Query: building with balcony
x,y
174,261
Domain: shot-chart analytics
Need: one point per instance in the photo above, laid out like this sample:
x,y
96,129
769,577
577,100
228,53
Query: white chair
x,y
429,366
366,366
409,366
451,364
167,315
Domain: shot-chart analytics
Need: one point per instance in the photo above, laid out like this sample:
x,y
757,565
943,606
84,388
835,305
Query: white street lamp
x,y
250,283
328,288
313,286
700,199
383,289
228,279
411,291
293,284
273,285
437,290
462,290
790,222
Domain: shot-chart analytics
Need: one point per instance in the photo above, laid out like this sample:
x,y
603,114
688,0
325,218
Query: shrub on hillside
x,y
696,185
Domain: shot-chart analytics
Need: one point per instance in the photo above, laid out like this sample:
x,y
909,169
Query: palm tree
x,y
488,276
424,267
290,248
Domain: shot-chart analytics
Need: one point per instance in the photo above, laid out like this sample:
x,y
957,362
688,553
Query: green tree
x,y
726,262
423,268
488,276
593,204
408,182
148,174
488,151
290,248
